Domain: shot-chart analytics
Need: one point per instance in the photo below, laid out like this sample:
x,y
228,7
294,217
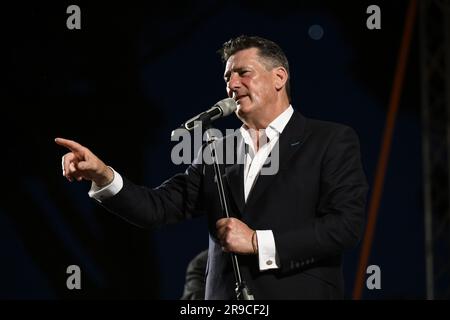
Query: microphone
x,y
222,108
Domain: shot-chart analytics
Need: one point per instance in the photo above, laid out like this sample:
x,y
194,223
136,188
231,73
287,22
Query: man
x,y
194,286
289,229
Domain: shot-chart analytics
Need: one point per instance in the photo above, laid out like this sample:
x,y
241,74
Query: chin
x,y
241,114
244,109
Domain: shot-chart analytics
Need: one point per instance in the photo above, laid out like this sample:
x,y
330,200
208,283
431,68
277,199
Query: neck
x,y
266,116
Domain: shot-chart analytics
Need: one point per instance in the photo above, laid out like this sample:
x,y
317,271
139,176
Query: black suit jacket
x,y
314,205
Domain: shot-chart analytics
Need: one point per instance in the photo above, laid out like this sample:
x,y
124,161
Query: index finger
x,y
221,222
70,144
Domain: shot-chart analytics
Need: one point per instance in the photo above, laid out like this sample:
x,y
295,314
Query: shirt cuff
x,y
267,253
108,191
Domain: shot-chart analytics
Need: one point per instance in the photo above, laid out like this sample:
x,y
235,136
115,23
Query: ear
x,y
280,77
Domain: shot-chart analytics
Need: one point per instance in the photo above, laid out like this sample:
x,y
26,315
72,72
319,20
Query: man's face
x,y
250,83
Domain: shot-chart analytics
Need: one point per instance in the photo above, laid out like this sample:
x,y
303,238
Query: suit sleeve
x,y
176,199
338,222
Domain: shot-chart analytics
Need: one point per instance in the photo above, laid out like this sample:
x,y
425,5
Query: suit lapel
x,y
291,139
234,174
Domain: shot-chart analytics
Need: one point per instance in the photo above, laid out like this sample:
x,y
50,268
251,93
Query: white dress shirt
x,y
267,255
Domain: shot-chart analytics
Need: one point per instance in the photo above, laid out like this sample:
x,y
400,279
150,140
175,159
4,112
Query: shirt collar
x,y
274,128
281,121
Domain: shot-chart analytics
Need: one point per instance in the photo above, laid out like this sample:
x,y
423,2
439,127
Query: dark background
x,y
132,74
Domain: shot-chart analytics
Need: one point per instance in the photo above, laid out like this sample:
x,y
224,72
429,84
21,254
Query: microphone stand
x,y
242,291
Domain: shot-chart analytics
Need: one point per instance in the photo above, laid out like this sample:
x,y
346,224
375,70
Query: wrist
x,y
105,178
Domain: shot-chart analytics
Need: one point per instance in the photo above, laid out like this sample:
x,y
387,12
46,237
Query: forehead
x,y
243,58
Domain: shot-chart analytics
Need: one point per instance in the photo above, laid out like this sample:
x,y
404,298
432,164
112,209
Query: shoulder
x,y
326,126
328,130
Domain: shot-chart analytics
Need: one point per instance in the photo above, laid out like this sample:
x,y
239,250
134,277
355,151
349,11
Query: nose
x,y
234,83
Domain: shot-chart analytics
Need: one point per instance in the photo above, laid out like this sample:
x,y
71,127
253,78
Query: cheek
x,y
269,88
255,89
261,92
261,88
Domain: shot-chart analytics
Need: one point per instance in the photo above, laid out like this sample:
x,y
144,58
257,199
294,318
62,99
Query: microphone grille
x,y
228,106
